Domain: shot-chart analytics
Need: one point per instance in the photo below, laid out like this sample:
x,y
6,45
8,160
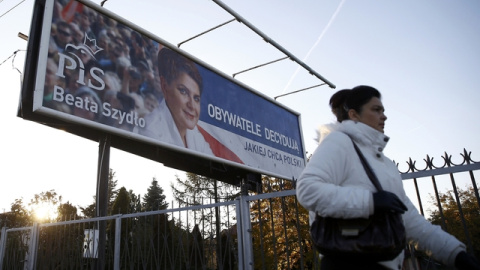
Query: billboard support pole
x,y
102,196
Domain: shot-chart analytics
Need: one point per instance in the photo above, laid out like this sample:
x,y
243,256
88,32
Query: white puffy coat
x,y
334,184
161,126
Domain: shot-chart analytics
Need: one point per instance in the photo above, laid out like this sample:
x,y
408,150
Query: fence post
x,y
246,229
246,233
239,234
33,248
3,242
118,233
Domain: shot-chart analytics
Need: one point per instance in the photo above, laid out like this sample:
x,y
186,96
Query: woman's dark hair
x,y
171,64
344,100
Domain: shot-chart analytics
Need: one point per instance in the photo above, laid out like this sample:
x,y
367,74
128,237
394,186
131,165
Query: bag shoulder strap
x,y
367,168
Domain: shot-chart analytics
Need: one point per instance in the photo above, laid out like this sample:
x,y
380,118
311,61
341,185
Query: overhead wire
x,y
13,55
12,8
13,62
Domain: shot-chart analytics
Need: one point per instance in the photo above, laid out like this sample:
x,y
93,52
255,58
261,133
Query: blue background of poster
x,y
237,100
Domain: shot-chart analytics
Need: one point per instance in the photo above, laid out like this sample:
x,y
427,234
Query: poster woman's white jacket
x,y
334,184
161,126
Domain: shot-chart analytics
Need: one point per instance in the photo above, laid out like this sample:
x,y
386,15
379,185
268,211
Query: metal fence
x,y
446,193
260,231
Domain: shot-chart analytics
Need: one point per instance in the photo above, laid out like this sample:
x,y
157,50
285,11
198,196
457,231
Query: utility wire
x,y
13,62
13,55
11,8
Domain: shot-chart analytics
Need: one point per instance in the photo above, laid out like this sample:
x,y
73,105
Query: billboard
x,y
91,72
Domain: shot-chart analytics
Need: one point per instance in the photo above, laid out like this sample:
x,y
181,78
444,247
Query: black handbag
x,y
381,237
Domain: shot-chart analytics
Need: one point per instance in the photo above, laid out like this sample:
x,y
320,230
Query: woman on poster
x,y
175,120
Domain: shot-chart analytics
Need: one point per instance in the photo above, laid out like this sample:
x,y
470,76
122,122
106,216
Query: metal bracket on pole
x,y
268,63
300,90
209,30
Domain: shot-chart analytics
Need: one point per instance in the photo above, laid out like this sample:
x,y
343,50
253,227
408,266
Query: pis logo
x,y
74,62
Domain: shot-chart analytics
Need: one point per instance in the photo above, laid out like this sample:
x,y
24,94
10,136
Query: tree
x,y
45,205
152,233
19,216
112,189
196,189
135,202
51,241
452,218
196,249
280,230
90,210
66,211
200,190
121,205
228,254
16,246
154,199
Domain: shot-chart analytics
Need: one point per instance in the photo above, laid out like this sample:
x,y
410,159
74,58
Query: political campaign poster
x,y
98,70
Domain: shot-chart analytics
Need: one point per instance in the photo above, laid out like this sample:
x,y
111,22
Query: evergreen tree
x,y
90,210
154,199
135,202
152,233
121,205
112,189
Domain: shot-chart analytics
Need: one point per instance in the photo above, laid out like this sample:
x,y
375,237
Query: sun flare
x,y
45,212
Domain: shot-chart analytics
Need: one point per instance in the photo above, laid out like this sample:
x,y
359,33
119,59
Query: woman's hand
x,y
384,201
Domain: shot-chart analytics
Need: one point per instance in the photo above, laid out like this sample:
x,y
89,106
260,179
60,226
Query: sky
x,y
423,56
